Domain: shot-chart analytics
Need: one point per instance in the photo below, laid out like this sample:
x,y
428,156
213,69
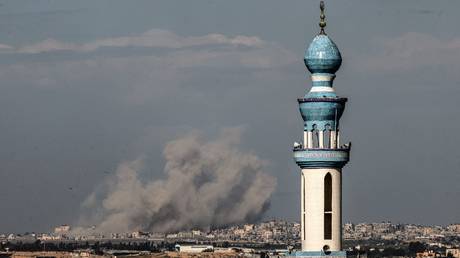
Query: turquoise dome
x,y
322,56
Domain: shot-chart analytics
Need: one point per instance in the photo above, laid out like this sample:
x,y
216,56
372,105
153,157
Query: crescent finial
x,y
322,22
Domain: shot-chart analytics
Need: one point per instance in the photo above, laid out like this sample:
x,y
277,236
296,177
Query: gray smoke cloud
x,y
207,183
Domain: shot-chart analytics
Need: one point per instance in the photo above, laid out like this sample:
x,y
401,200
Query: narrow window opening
x,y
327,137
315,134
328,226
328,206
328,193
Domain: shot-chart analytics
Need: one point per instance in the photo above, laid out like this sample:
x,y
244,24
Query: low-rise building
x,y
63,229
194,248
427,254
453,252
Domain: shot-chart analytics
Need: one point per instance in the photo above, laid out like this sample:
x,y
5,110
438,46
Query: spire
x,y
322,22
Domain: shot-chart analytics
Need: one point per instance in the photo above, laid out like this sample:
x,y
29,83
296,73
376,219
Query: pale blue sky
x,y
75,102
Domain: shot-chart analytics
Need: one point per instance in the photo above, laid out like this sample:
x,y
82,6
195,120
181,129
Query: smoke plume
x,y
207,183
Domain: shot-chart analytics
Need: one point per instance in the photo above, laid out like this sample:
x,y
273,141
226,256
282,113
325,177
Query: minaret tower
x,y
320,156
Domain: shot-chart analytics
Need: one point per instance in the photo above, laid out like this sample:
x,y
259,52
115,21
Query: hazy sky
x,y
86,85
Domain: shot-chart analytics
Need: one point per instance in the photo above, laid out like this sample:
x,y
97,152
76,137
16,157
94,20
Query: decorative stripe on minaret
x,y
322,82
321,89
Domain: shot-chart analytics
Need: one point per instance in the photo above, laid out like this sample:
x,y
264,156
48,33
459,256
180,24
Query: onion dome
x,y
322,56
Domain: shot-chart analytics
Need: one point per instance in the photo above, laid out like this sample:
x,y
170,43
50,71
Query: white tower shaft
x,y
321,209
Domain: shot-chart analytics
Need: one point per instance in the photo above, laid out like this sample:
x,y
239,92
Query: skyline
x,y
87,86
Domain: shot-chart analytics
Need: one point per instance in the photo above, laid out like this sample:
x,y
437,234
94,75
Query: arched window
x,y
328,206
315,135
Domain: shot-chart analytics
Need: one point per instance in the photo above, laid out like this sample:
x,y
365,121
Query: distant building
x,y
62,229
210,236
41,254
248,227
139,234
52,254
453,252
171,236
197,233
348,227
427,254
239,232
194,248
454,228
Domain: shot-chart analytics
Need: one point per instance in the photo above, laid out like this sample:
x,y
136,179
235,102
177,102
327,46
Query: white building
x,y
454,252
62,229
194,248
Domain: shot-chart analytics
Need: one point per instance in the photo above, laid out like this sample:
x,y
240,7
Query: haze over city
x,y
109,110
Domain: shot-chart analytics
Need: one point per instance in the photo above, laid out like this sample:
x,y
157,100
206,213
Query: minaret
x,y
320,156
